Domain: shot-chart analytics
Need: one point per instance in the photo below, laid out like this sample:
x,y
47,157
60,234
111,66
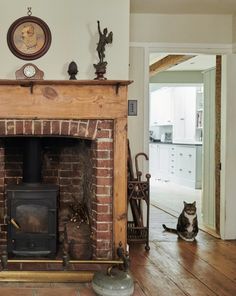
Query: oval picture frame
x,y
29,38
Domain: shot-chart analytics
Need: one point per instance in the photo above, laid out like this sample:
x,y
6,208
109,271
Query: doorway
x,y
180,115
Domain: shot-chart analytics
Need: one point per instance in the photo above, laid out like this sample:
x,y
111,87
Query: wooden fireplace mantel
x,y
80,99
61,99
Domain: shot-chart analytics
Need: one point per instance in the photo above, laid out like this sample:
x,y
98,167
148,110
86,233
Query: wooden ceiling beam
x,y
168,62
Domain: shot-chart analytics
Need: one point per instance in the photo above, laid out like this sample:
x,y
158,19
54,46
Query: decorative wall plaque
x,y
29,37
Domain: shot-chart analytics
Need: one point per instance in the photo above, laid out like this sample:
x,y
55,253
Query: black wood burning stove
x,y
32,209
32,212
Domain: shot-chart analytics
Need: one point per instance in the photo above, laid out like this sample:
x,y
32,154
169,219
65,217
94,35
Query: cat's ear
x,y
185,203
194,203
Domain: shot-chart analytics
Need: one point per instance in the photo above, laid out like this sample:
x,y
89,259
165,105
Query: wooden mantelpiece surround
x,y
55,99
75,100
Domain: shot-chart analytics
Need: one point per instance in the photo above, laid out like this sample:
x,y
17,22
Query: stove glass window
x,y
32,218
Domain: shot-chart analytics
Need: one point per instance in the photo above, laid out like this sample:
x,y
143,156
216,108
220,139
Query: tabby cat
x,y
187,226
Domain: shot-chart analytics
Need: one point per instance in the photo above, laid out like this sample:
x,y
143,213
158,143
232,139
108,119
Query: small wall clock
x,y
29,71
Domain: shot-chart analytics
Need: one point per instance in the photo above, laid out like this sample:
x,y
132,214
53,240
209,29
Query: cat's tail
x,y
172,230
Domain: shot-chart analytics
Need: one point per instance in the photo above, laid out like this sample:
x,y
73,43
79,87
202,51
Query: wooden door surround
x,y
78,100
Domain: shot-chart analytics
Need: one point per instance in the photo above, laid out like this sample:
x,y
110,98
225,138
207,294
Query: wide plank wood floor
x,y
175,267
206,267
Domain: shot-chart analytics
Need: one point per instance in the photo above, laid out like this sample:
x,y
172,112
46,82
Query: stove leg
x,y
4,259
65,262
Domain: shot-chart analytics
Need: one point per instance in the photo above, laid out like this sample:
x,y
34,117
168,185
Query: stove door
x,y
32,229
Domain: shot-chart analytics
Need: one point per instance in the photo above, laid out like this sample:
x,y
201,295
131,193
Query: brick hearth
x,y
67,174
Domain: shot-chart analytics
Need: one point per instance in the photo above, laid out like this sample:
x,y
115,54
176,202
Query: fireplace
x,y
90,116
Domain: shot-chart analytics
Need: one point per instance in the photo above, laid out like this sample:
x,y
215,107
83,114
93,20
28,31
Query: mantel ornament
x,y
72,70
104,39
29,71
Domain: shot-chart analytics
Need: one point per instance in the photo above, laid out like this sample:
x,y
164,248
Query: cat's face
x,y
190,208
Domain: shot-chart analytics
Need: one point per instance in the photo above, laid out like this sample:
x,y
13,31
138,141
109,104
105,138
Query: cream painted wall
x,y
234,32
136,92
73,24
177,77
228,155
183,28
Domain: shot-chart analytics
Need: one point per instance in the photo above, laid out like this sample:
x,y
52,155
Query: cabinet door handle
x,y
190,172
180,170
190,155
181,154
182,118
14,223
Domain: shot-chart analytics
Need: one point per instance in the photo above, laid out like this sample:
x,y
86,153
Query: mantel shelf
x,y
64,82
63,99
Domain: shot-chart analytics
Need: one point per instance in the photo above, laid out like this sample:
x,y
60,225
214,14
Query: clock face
x,y
29,71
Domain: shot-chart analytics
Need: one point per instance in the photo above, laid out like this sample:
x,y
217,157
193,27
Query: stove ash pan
x,y
32,217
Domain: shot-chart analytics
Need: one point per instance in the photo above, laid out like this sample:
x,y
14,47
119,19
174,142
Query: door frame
x,y
191,49
218,141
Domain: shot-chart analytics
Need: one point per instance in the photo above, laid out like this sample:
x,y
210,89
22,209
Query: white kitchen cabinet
x,y
159,159
172,156
161,109
179,119
164,159
188,165
184,119
199,113
154,163
185,165
181,164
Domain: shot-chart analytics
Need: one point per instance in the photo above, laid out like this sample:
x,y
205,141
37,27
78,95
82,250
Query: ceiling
x,y
197,63
183,6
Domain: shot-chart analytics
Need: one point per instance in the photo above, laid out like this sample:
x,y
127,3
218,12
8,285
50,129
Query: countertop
x,y
171,143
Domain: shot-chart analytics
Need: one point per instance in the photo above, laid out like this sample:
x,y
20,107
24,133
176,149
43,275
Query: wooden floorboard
x,y
206,267
172,269
217,255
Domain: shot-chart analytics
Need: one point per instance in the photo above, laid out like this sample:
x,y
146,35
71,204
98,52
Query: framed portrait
x,y
29,38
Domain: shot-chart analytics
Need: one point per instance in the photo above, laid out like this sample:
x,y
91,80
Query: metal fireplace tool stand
x,y
139,200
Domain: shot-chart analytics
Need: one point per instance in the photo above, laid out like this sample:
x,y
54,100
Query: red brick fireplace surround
x,y
94,112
